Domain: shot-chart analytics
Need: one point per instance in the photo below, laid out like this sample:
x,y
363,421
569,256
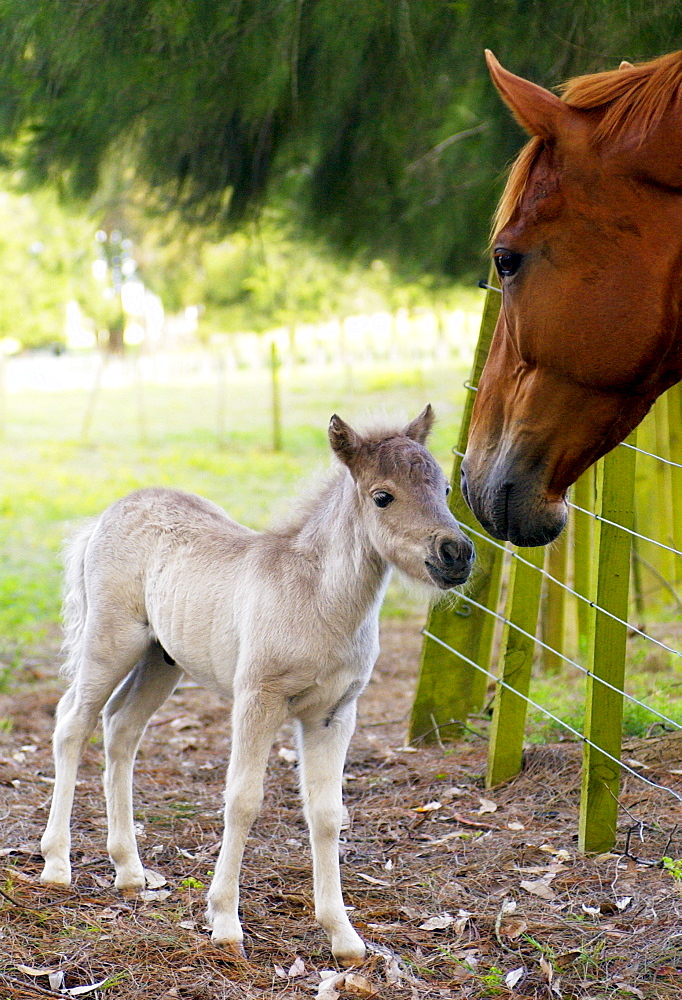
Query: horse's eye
x,y
383,499
507,262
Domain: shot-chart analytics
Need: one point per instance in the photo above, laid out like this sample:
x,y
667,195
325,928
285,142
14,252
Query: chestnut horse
x,y
587,241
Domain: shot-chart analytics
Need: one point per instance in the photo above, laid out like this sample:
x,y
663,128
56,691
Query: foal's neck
x,y
333,535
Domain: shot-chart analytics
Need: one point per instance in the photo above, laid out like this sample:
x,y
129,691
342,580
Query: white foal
x,y
165,583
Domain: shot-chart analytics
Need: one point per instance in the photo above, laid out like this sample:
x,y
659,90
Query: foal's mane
x,y
631,100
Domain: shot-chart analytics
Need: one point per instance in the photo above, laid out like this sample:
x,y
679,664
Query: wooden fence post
x,y
604,707
554,615
447,686
675,427
583,496
505,750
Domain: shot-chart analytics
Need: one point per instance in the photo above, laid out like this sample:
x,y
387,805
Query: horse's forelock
x,y
631,100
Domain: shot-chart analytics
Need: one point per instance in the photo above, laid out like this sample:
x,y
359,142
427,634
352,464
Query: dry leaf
x,y
358,985
327,988
547,969
627,988
279,971
290,756
185,722
452,793
514,928
487,806
153,879
623,902
79,991
515,825
592,911
372,880
539,887
154,895
345,818
429,807
30,970
437,923
512,978
297,969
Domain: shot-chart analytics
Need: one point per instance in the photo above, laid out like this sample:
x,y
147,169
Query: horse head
x,y
588,245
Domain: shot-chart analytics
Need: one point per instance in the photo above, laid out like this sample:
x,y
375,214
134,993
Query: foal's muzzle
x,y
450,561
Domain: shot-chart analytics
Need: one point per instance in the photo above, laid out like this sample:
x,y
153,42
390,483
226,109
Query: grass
x,y
51,478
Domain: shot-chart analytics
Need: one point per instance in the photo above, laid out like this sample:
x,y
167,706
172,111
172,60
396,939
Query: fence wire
x,y
570,590
555,718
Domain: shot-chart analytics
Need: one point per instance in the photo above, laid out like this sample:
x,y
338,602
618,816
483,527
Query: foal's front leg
x,y
256,717
323,747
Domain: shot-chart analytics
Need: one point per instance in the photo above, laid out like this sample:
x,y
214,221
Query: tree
x,y
373,122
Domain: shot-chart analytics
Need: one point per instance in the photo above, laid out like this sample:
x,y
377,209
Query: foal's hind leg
x,y
77,712
125,718
323,745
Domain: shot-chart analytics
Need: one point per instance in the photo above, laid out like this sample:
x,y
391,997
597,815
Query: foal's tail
x,y
75,606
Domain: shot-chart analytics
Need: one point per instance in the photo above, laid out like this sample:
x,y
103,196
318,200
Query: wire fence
x,y
514,612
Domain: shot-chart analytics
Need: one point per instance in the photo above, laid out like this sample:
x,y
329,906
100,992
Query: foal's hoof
x,y
56,873
235,949
350,953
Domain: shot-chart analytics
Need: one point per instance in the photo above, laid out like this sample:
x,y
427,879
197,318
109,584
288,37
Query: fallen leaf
x,y
539,887
515,825
290,756
560,853
623,902
154,895
512,978
592,911
627,988
372,880
437,923
452,793
79,991
30,970
358,985
327,988
345,818
279,971
297,968
429,807
185,722
455,835
487,806
154,880
187,925
547,969
514,928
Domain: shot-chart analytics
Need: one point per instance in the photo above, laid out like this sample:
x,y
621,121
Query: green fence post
x,y
554,615
505,750
583,496
675,428
604,707
663,531
447,687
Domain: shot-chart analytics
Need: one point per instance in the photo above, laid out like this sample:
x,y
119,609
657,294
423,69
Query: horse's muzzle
x,y
513,509
450,561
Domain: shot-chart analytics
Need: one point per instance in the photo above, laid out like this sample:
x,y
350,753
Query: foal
x,y
165,583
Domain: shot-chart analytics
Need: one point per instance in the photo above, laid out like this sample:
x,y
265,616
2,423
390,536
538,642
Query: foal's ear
x,y
538,111
420,427
343,439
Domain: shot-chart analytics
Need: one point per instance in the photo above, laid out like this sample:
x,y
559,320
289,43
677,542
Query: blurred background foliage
x,y
262,154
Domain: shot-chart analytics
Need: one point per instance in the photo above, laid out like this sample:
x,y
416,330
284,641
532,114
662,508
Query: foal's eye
x,y
383,499
507,262
448,490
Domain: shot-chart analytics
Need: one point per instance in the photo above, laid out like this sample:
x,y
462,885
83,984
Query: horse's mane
x,y
631,100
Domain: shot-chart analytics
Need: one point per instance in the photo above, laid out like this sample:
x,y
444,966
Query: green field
x,y
191,437
50,478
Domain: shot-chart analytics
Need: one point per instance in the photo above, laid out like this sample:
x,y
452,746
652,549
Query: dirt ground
x,y
458,891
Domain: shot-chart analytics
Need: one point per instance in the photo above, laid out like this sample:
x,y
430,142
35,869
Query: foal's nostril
x,y
455,554
448,553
